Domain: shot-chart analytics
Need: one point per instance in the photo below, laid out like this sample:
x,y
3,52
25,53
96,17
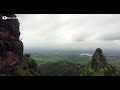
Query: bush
x,y
28,67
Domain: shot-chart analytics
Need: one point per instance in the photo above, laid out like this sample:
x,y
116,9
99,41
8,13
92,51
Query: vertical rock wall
x,y
11,48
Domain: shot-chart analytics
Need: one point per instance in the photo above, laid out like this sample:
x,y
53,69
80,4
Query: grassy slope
x,y
81,60
48,60
57,67
78,60
63,66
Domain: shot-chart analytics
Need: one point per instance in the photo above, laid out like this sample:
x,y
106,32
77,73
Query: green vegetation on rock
x,y
28,67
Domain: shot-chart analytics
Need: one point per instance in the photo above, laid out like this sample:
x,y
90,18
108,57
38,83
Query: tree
x,y
27,55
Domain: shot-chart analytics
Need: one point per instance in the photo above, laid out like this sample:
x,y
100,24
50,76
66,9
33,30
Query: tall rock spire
x,y
98,60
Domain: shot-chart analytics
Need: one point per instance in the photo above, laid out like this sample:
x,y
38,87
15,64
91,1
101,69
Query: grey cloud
x,y
111,36
81,37
69,29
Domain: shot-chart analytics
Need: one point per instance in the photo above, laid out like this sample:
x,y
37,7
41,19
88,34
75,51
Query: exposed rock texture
x,y
11,48
98,60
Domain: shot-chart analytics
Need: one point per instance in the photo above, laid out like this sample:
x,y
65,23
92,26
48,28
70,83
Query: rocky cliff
x,y
11,47
98,60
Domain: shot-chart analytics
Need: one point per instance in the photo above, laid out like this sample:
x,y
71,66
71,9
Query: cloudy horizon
x,y
70,31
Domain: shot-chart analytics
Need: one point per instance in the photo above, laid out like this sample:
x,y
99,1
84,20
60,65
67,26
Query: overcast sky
x,y
70,31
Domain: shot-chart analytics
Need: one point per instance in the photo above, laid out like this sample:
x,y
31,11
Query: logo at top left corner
x,y
4,17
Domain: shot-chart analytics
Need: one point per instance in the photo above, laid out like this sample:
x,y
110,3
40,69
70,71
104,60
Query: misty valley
x,y
69,62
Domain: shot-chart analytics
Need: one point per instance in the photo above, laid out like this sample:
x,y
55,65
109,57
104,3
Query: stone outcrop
x,y
98,60
11,47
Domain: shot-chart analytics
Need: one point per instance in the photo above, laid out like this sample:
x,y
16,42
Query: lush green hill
x,y
77,60
77,66
109,70
61,68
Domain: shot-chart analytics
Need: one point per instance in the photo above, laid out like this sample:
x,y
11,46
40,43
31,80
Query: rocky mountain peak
x,y
98,60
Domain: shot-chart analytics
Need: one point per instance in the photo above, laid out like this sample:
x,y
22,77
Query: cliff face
x,y
11,48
